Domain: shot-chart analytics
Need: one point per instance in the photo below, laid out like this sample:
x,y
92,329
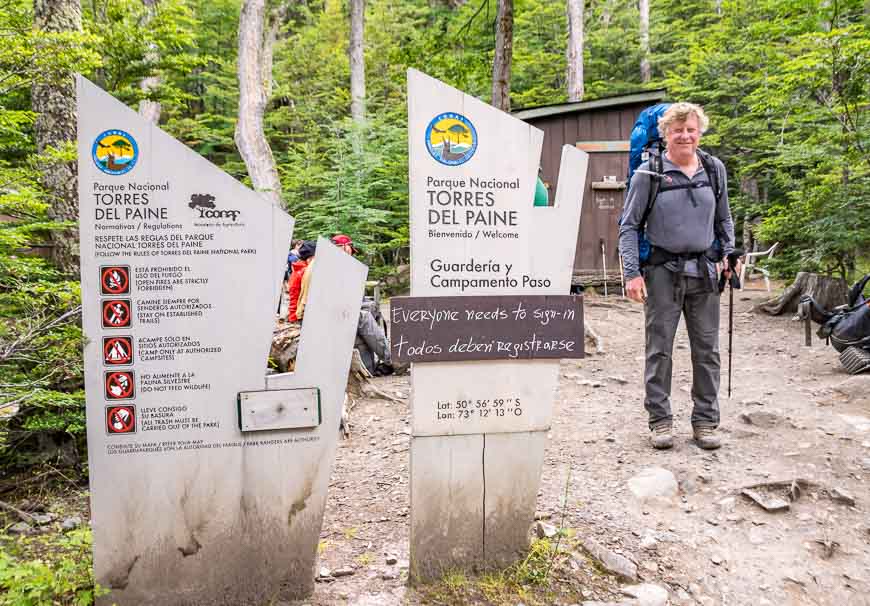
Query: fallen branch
x,y
37,328
21,514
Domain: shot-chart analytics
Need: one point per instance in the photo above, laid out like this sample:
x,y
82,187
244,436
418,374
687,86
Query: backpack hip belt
x,y
660,256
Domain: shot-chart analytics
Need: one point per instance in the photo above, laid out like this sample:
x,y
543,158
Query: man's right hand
x,y
636,289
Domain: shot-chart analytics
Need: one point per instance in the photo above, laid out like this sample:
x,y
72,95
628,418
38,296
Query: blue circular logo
x,y
451,139
115,152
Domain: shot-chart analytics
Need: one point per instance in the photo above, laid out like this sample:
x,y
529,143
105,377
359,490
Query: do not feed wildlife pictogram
x,y
115,280
117,313
120,385
117,351
120,419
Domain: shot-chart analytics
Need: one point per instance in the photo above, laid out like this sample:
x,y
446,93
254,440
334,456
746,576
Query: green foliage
x,y
788,100
787,86
529,581
64,576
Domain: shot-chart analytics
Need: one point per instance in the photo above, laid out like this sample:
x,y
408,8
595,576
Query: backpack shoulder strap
x,y
856,293
656,165
712,173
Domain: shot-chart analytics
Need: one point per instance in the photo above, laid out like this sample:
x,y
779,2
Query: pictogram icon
x,y
117,351
115,280
117,313
120,385
120,419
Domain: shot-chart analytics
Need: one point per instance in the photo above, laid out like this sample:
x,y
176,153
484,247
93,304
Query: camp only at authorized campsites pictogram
x,y
120,385
117,313
115,280
120,419
117,351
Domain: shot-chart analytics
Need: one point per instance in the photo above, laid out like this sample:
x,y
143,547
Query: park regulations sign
x,y
207,480
476,238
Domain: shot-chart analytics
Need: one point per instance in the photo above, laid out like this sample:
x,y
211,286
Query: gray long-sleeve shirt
x,y
681,221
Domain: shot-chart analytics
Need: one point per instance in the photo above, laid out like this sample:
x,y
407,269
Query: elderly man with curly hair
x,y
691,233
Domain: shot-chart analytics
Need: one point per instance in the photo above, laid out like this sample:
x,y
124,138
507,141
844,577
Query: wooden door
x,y
602,205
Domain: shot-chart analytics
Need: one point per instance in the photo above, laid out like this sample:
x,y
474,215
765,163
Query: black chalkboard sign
x,y
510,327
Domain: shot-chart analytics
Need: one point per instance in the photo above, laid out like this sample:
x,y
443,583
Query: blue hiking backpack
x,y
646,144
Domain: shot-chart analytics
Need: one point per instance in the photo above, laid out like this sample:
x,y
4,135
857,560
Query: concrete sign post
x,y
208,479
474,231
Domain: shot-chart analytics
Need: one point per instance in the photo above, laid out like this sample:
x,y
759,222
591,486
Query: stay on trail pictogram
x,y
117,313
115,280
120,419
117,351
120,385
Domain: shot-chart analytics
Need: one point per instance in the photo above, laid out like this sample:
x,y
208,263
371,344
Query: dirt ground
x,y
709,544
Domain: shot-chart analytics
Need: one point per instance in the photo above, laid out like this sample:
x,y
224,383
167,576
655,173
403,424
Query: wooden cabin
x,y
602,128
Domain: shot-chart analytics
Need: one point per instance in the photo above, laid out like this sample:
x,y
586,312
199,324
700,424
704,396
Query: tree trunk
x,y
645,71
575,50
504,51
827,292
357,61
255,82
150,110
55,105
606,14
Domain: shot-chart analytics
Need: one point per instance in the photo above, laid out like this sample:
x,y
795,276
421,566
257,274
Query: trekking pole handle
x,y
734,280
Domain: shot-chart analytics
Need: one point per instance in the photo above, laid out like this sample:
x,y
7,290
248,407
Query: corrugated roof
x,y
580,106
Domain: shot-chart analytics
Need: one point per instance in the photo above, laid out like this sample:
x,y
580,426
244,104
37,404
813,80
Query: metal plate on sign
x,y
279,409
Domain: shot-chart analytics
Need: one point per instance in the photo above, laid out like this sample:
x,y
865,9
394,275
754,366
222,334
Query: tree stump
x,y
826,291
285,343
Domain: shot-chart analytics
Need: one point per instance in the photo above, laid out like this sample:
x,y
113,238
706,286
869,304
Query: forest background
x,y
786,84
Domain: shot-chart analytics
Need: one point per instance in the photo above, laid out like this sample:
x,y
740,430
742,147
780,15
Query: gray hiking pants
x,y
700,307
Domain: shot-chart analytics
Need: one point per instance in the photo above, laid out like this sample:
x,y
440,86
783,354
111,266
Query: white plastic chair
x,y
750,264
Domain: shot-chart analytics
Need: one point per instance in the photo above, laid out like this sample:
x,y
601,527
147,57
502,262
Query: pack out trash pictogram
x,y
115,280
120,419
117,351
117,313
120,385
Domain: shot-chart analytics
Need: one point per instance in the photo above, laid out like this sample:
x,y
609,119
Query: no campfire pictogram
x,y
120,385
117,313
117,351
121,419
115,280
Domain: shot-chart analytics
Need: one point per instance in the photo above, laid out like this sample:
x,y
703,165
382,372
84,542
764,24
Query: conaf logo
x,y
204,203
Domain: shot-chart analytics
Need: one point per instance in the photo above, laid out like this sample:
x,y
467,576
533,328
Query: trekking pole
x,y
733,282
621,276
604,263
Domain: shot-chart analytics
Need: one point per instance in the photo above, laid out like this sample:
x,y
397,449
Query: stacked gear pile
x,y
847,327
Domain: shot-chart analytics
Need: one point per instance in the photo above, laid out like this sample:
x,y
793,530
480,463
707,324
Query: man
x,y
690,232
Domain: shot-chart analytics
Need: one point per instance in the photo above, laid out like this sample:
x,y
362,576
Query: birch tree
x,y
645,73
357,61
150,110
54,102
504,50
256,40
574,51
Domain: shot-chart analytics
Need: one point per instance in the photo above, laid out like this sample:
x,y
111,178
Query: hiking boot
x,y
662,437
706,438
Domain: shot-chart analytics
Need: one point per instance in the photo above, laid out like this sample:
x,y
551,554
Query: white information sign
x,y
181,269
475,231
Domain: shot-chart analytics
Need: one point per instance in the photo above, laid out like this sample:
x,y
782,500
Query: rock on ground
x,y
612,562
647,594
653,482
